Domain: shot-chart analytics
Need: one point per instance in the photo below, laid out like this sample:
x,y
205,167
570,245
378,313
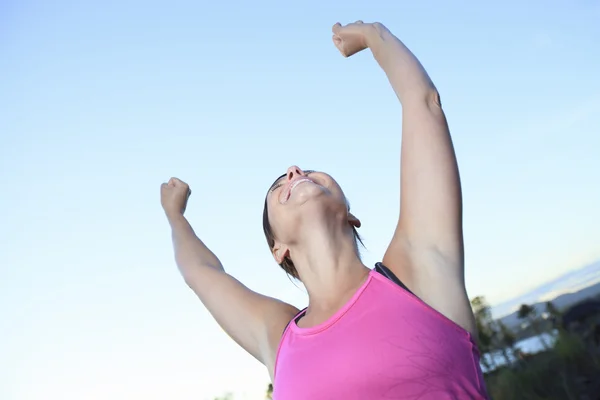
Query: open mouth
x,y
293,186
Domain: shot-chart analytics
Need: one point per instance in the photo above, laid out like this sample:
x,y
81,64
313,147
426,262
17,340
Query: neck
x,y
327,260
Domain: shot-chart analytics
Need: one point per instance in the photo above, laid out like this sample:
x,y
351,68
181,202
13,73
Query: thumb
x,y
336,27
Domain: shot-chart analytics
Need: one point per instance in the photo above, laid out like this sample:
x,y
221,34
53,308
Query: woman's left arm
x,y
426,251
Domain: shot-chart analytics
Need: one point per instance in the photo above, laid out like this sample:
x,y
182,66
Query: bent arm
x,y
254,321
427,247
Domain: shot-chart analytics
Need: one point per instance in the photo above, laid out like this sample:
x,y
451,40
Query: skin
x,y
313,226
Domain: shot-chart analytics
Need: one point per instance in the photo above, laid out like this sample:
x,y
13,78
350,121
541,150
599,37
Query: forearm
x,y
190,253
404,71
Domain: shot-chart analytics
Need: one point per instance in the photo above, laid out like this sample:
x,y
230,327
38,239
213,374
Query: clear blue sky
x,y
100,102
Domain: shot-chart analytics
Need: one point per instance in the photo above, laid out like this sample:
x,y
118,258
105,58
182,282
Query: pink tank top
x,y
385,343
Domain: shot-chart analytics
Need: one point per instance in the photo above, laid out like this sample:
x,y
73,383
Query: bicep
x,y
427,247
430,192
252,320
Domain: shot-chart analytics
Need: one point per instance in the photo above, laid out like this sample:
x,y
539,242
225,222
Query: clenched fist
x,y
352,38
174,196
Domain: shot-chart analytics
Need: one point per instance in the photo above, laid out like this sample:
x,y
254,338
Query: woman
x,y
401,331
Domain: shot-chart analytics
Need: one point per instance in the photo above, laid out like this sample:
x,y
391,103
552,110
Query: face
x,y
300,195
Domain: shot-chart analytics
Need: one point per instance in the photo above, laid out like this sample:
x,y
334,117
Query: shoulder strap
x,y
385,271
295,319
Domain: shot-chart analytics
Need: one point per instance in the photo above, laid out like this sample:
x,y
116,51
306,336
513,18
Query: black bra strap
x,y
385,271
300,315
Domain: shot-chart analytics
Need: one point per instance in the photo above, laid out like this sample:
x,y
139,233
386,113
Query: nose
x,y
293,172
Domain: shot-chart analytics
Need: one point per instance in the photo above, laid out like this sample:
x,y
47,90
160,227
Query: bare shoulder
x,y
253,320
276,327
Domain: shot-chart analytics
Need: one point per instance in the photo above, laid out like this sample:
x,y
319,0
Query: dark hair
x,y
287,264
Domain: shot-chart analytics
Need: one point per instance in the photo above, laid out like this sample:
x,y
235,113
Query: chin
x,y
308,192
325,202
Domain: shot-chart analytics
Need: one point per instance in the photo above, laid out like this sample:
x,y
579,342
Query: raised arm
x,y
254,321
426,251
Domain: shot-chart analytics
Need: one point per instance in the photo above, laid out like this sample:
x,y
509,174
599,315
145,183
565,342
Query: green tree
x,y
481,309
485,331
555,315
507,340
526,312
552,310
269,395
484,342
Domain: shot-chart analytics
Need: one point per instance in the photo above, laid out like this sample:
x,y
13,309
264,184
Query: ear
x,y
280,252
352,220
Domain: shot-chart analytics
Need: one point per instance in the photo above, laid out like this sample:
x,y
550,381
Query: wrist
x,y
174,217
374,33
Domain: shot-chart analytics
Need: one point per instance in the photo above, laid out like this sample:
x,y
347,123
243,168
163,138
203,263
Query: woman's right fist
x,y
174,196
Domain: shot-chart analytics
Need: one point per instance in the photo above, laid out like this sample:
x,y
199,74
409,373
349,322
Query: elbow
x,y
190,278
428,96
431,97
196,274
